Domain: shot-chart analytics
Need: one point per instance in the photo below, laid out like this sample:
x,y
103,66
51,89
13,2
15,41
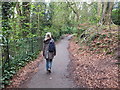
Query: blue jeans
x,y
48,63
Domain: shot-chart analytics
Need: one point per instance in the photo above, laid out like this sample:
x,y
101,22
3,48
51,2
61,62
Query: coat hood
x,y
47,41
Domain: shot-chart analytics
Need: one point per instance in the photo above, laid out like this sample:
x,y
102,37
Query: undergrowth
x,y
105,41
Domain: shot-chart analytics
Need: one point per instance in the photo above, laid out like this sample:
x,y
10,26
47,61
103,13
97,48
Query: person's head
x,y
48,35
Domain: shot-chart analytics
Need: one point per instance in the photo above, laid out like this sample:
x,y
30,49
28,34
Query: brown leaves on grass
x,y
92,70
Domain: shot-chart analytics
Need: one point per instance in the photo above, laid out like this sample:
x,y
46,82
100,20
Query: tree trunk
x,y
75,11
19,14
99,9
106,13
6,27
26,14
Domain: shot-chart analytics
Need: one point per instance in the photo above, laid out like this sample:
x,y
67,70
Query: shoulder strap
x,y
51,40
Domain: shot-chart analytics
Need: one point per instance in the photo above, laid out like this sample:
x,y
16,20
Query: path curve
x,y
59,76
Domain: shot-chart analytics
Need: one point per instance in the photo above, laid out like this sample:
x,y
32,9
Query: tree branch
x,y
71,7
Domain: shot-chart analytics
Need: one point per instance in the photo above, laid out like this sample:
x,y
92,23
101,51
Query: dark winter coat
x,y
46,53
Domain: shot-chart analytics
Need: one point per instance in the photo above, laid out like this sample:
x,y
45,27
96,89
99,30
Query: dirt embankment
x,y
92,70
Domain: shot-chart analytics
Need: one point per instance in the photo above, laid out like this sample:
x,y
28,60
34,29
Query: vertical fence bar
x,y
0,45
7,52
32,45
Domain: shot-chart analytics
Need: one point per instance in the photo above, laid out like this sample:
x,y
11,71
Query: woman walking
x,y
49,51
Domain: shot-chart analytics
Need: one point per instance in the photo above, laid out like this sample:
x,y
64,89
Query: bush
x,y
21,52
116,16
69,30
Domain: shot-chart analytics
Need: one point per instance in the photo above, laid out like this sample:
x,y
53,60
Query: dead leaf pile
x,y
92,70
